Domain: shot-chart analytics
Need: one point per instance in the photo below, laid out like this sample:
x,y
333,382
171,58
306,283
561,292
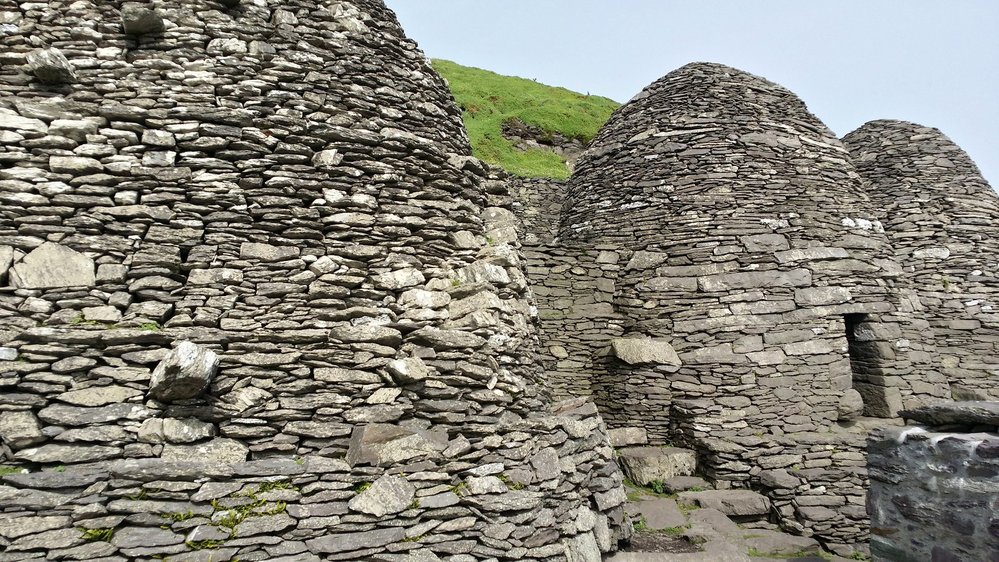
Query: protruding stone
x,y
184,373
384,445
641,351
52,266
386,496
20,429
645,465
140,19
51,66
408,371
851,405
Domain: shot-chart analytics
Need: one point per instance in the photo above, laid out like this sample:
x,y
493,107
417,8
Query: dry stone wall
x,y
940,215
248,268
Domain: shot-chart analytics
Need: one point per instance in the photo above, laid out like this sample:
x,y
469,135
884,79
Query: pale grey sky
x,y
852,61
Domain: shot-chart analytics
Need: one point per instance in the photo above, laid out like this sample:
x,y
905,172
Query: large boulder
x,y
184,373
51,266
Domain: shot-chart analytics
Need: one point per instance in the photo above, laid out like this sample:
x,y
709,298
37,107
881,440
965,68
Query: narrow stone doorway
x,y
868,358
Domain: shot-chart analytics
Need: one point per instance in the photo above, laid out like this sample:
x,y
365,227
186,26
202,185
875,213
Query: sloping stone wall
x,y
940,215
251,234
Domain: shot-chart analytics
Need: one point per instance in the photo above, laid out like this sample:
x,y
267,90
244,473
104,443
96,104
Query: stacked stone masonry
x,y
725,274
258,302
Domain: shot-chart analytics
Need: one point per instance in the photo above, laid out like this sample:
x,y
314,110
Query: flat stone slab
x,y
645,465
679,484
660,513
955,413
628,436
733,503
778,545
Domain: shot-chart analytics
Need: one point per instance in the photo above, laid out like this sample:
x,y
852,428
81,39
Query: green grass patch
x,y
489,100
97,535
5,470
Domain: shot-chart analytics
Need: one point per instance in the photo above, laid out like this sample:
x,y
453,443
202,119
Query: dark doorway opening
x,y
867,361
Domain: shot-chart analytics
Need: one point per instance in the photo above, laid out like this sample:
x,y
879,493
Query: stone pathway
x,y
684,520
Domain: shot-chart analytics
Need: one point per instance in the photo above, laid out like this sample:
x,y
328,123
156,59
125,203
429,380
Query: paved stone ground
x,y
676,528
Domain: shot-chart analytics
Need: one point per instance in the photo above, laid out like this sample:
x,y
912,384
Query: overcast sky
x,y
852,61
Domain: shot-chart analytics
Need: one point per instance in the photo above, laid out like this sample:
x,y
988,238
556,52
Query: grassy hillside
x,y
488,100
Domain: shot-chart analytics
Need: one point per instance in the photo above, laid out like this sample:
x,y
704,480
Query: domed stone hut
x,y
941,218
756,250
255,301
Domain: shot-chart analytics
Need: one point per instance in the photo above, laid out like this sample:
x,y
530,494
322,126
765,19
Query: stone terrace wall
x,y
941,217
288,186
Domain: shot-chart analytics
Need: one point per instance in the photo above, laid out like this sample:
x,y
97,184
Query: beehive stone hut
x,y
721,276
941,217
256,303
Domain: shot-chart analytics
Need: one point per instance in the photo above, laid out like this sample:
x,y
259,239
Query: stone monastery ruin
x,y
258,301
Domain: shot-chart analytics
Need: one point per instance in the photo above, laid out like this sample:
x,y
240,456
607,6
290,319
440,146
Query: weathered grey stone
x,y
339,544
140,19
185,373
851,405
20,429
383,445
408,371
11,121
367,334
50,66
61,414
14,527
955,413
75,165
739,503
66,454
514,500
52,266
218,451
386,496
645,465
172,430
625,436
54,539
267,252
266,524
641,351
99,395
132,537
